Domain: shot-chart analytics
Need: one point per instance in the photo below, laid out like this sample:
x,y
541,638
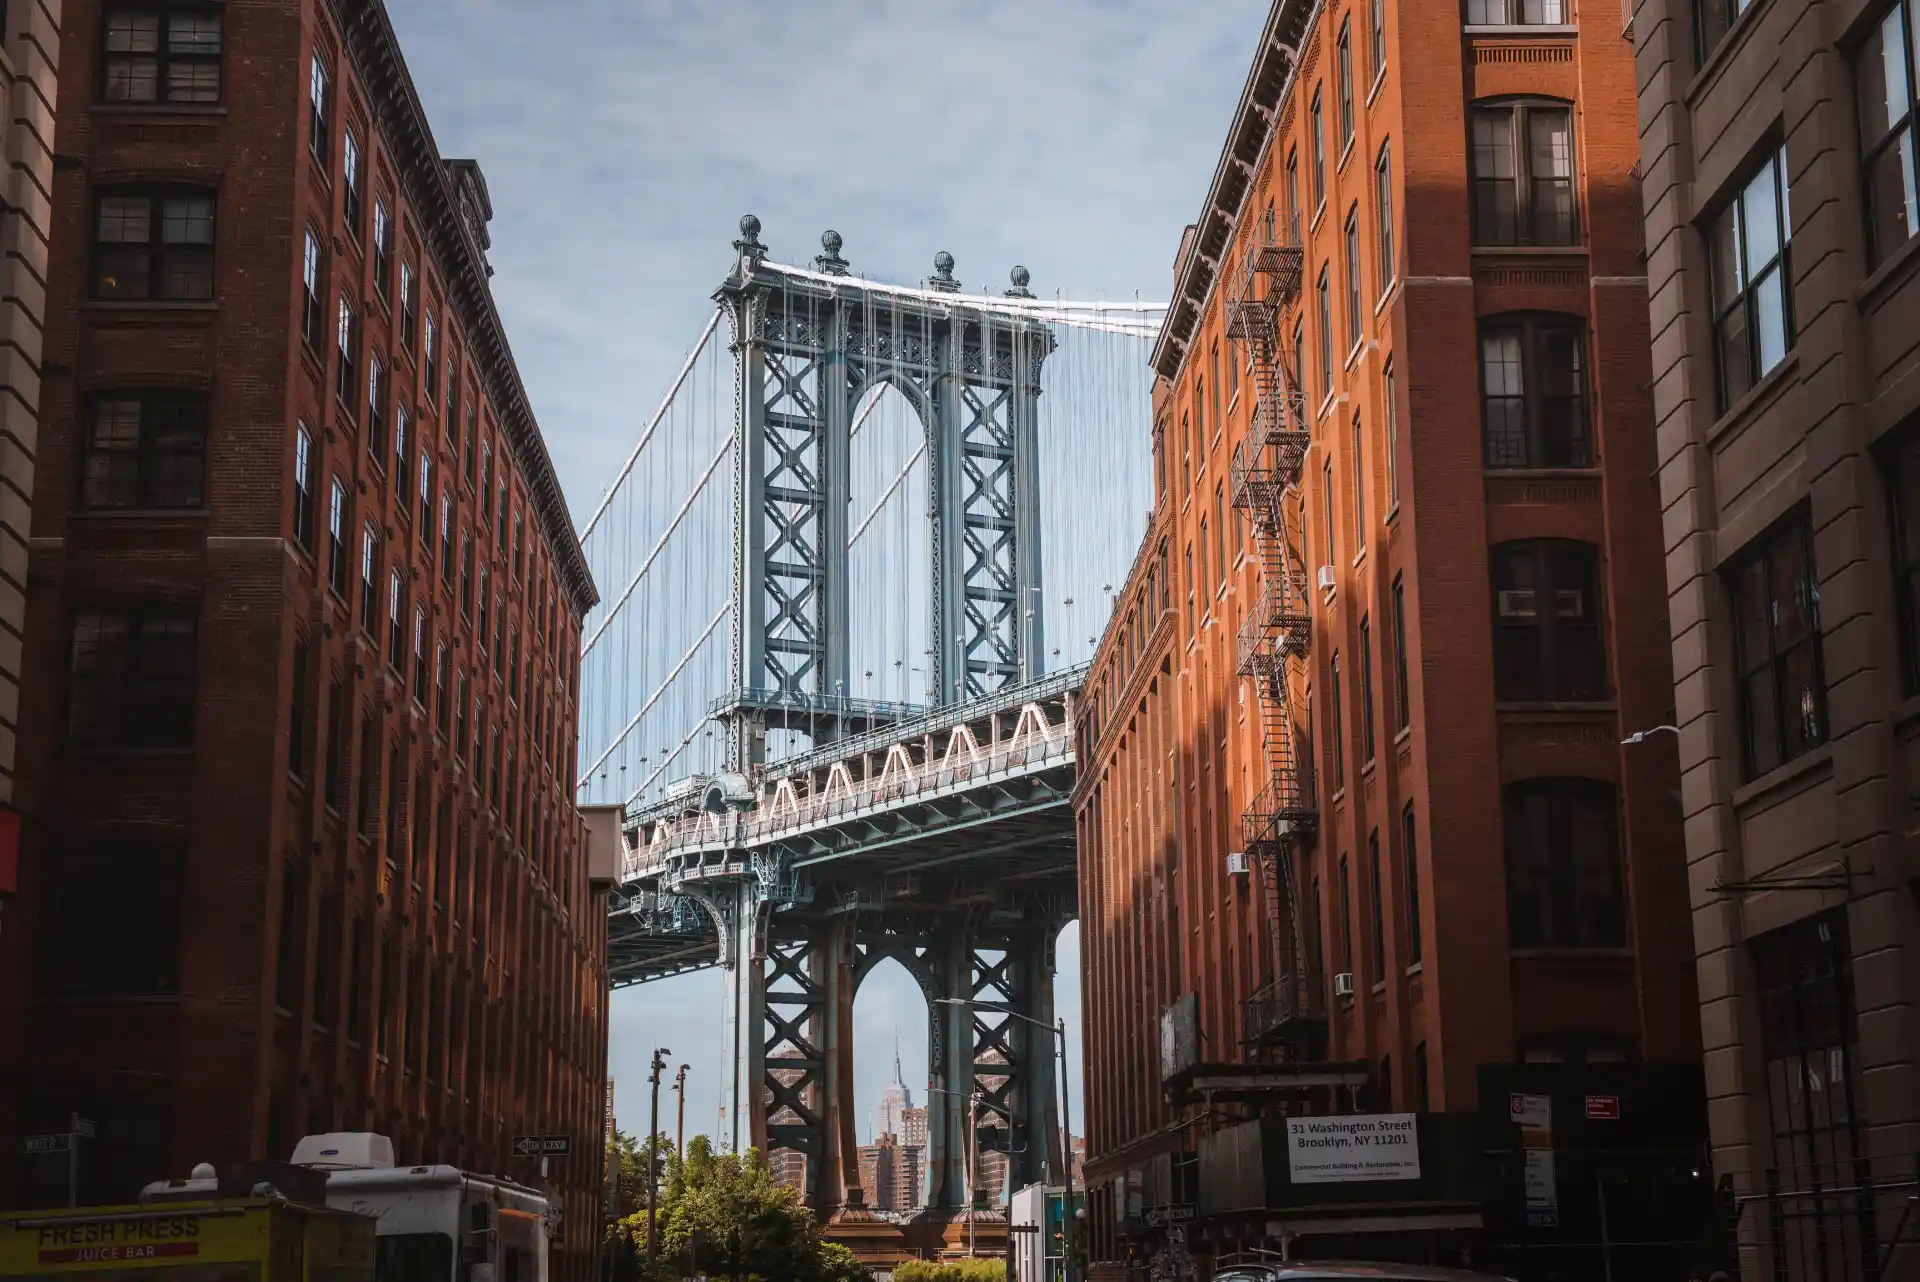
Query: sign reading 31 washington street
x,y
1365,1146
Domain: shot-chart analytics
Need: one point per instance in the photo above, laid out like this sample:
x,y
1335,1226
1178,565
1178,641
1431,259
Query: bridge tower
x,y
809,343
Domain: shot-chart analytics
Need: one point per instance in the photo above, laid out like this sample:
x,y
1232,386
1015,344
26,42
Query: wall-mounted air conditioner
x,y
1326,578
1343,984
1237,863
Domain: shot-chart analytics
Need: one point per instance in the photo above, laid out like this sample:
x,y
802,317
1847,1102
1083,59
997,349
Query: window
x,y
1326,332
427,367
401,483
1334,727
382,248
1193,593
1752,301
1377,49
1903,493
153,243
1326,509
1379,906
337,531
480,638
396,611
453,396
161,54
1346,918
369,574
145,449
1776,600
300,713
1344,83
1523,174
1366,688
426,501
376,410
409,306
351,206
1392,407
1516,13
1359,489
446,533
310,313
1546,637
110,921
466,574
419,655
1353,276
131,672
346,376
1714,19
1219,531
357,963
1402,696
1884,87
460,712
336,744
303,487
369,778
1389,267
1293,197
286,982
318,130
1563,865
1410,857
1318,139
1533,392
441,661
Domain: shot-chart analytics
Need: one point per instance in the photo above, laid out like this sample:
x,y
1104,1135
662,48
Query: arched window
x,y
1533,391
1522,164
1563,865
1546,622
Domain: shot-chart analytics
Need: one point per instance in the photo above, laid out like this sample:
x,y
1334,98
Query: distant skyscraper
x,y
890,1174
895,1101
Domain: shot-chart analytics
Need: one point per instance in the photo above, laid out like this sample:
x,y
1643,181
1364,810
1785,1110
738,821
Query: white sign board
x,y
1534,1112
1542,1190
1336,1150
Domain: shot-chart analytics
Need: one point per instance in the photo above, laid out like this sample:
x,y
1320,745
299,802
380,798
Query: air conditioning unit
x,y
1343,984
1237,863
1326,578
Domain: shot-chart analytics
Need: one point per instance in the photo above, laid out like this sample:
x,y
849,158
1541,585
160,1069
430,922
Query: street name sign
x,y
543,1145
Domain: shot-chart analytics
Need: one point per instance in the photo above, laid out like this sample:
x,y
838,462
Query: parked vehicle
x,y
1346,1271
206,1239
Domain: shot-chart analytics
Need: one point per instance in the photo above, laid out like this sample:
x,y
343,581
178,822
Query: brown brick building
x,y
29,72
1358,828
1778,178
303,608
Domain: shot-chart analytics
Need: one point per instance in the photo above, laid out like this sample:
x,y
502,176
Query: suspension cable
x,y
713,323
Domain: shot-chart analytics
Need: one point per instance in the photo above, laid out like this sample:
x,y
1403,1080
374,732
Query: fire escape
x,y
1285,1019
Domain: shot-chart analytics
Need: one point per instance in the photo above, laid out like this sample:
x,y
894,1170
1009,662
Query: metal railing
x,y
1274,1012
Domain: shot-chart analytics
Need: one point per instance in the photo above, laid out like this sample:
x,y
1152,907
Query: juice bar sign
x,y
1339,1150
140,1238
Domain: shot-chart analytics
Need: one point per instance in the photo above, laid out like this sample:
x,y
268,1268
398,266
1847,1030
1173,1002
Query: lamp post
x,y
653,1161
1641,736
1059,1030
680,1129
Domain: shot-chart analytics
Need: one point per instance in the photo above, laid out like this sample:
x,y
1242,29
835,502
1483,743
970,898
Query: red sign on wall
x,y
1603,1108
9,851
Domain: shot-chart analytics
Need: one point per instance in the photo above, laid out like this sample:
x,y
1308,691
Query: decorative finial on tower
x,y
748,246
942,278
830,262
1021,278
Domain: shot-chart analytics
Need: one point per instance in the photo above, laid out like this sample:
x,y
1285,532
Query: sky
x,y
622,140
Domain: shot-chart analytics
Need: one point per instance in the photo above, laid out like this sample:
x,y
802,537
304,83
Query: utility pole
x,y
680,1128
1069,1267
653,1162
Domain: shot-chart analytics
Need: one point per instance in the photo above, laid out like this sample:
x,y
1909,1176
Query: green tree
x,y
951,1271
722,1215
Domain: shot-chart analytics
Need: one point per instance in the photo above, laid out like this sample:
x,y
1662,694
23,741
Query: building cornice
x,y
1253,122
382,69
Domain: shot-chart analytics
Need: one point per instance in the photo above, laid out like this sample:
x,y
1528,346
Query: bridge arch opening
x,y
890,1081
1066,1007
889,553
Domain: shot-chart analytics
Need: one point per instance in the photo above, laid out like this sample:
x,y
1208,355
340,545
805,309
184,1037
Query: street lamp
x,y
1641,736
1059,1030
653,1160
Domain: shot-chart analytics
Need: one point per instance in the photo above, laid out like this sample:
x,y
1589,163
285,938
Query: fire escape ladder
x,y
1277,631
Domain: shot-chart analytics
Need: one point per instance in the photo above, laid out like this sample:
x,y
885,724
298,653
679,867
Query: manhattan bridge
x,y
854,568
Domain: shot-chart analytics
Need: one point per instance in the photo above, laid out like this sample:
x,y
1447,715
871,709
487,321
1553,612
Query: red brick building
x,y
1357,826
303,614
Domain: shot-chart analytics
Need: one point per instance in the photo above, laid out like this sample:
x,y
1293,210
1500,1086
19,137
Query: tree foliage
x,y
951,1271
721,1215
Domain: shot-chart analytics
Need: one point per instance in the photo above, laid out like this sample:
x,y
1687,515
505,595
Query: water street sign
x,y
84,1128
47,1143
543,1145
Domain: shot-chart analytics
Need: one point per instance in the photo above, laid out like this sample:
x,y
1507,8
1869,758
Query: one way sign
x,y
543,1145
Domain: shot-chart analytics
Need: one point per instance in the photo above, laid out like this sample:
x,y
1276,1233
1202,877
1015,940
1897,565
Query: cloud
x,y
622,141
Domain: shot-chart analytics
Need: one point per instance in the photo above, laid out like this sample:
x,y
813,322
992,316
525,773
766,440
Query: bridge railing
x,y
1037,742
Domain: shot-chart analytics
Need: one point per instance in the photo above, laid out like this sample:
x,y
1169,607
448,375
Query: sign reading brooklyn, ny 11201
x,y
1365,1146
